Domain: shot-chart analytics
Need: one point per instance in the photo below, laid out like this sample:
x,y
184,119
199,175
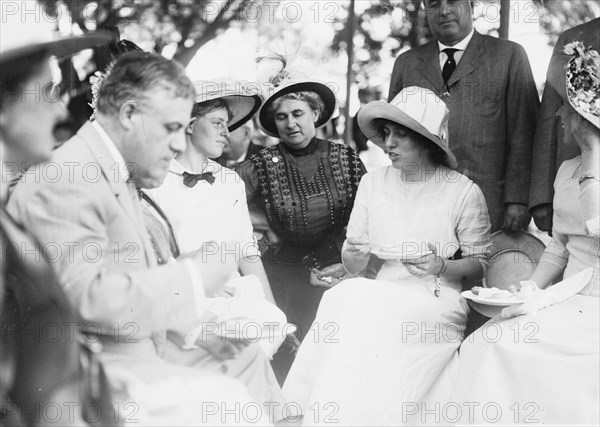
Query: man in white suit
x,y
89,212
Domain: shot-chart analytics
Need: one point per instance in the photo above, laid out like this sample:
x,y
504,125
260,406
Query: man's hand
x,y
542,216
517,217
222,347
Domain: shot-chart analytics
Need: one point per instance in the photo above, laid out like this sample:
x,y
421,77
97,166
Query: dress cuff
x,y
197,285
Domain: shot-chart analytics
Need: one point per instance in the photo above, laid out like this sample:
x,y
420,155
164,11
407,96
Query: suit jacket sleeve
x,y
396,80
522,105
107,280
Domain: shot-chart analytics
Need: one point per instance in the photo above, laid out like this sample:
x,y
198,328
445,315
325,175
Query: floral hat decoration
x,y
580,86
283,81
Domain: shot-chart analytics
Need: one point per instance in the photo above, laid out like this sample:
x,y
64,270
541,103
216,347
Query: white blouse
x,y
215,212
448,210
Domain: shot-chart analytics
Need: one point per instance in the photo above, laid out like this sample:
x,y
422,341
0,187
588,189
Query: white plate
x,y
251,331
399,255
504,301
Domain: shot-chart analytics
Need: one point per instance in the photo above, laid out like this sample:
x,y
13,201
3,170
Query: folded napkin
x,y
245,316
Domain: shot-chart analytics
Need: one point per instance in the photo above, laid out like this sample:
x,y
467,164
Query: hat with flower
x,y
576,77
283,81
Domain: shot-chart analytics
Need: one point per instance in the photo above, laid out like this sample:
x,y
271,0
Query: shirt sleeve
x,y
473,226
358,225
556,252
248,243
247,172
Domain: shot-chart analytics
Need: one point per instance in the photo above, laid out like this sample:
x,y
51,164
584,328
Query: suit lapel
x,y
471,59
124,193
430,65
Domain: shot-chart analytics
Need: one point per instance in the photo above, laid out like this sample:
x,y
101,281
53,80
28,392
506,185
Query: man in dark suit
x,y
548,150
489,89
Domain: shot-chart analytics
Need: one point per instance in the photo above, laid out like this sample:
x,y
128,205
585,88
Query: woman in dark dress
x,y
304,189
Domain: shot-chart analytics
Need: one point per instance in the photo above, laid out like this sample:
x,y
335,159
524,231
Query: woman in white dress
x,y
543,367
379,347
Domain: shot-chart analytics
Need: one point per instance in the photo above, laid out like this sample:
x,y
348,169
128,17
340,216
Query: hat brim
x,y
326,94
382,110
242,108
59,46
557,78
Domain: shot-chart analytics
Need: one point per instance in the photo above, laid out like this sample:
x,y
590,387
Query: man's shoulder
x,y
417,51
496,45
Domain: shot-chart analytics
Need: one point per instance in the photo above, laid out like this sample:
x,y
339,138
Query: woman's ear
x,y
316,116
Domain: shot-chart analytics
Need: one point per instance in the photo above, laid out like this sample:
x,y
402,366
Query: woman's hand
x,y
329,276
358,247
427,264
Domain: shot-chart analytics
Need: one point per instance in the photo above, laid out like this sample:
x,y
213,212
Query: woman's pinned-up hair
x,y
203,108
136,73
313,100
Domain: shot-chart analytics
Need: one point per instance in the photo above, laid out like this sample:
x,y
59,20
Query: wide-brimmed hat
x,y
575,75
241,100
416,108
293,85
26,29
513,257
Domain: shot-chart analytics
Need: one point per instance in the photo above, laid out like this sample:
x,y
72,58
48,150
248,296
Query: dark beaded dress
x,y
307,196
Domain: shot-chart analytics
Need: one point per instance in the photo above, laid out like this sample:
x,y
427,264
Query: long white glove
x,y
542,298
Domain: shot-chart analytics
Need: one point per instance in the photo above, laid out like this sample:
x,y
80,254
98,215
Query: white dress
x,y
543,368
377,347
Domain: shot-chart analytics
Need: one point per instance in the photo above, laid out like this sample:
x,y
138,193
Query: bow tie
x,y
191,179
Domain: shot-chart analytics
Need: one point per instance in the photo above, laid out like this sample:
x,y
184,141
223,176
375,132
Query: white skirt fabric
x,y
376,350
541,369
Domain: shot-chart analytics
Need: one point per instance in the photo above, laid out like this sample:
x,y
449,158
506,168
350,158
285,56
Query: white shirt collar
x,y
122,170
461,45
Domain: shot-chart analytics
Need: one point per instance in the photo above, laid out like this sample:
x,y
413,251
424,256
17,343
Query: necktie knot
x,y
449,65
191,179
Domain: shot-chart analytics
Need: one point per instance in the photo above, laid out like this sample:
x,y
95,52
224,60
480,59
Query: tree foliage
x,y
188,24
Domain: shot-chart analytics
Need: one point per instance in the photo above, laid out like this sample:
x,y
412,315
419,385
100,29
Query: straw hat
x,y
416,108
296,84
514,256
26,29
575,75
242,102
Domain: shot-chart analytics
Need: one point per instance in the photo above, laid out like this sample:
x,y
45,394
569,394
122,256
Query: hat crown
x,y
207,90
426,108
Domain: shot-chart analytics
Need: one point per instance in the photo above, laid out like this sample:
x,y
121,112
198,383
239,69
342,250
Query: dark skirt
x,y
288,268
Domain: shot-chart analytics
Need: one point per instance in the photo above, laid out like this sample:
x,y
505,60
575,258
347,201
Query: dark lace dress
x,y
307,196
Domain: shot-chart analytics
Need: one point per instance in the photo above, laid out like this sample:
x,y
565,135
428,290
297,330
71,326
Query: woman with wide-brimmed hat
x,y
304,188
396,337
39,369
543,364
204,201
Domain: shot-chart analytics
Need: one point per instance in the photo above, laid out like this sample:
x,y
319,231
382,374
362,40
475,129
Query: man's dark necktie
x,y
450,64
191,179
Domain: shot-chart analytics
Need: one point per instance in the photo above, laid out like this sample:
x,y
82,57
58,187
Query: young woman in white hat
x,y
396,337
304,188
543,367
39,369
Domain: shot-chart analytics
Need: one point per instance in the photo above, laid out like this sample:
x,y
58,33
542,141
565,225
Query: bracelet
x,y
586,177
443,268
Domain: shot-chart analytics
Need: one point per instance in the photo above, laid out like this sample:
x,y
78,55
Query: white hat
x,y
26,28
241,101
416,108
